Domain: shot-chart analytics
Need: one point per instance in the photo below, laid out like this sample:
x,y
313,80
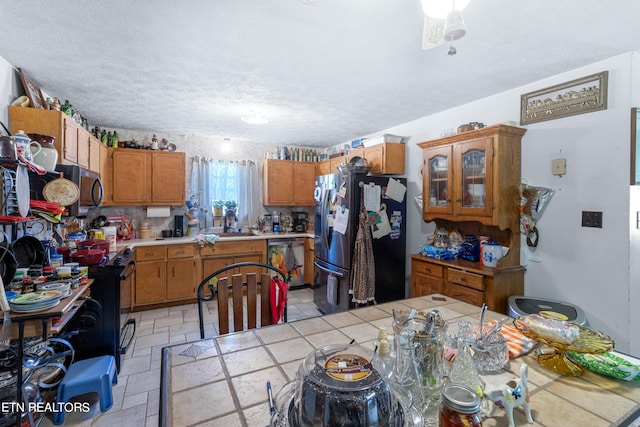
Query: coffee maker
x,y
178,226
300,221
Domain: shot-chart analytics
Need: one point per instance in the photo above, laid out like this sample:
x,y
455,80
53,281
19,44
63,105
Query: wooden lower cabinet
x,y
309,255
215,257
466,281
165,273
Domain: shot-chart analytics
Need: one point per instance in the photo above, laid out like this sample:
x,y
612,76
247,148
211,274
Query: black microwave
x,y
88,182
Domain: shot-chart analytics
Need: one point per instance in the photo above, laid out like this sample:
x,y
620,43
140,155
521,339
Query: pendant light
x,y
454,28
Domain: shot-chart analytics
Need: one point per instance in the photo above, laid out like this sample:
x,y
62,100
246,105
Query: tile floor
x,y
137,394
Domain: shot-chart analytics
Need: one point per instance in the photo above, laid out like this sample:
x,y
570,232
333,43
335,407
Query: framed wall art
x,y
578,96
31,89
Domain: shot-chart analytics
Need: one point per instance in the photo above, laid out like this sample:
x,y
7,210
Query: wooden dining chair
x,y
248,283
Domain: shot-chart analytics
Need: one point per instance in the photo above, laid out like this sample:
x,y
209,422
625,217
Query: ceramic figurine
x,y
512,394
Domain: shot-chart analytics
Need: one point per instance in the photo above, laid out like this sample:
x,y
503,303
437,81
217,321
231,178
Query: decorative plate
x,y
61,190
609,364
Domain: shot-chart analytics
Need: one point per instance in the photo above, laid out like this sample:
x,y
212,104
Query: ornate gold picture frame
x,y
578,96
32,90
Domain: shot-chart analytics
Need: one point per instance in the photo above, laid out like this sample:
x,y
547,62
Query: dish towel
x,y
278,299
517,343
363,270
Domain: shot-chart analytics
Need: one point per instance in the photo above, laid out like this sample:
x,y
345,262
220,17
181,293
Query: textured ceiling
x,y
322,71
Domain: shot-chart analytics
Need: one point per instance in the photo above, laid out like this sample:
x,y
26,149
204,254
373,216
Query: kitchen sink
x,y
236,234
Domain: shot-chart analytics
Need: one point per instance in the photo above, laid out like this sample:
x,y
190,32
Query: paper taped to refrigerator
x,y
372,197
380,226
395,190
341,220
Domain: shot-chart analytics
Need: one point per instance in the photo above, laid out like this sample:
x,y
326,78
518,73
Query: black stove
x,y
102,329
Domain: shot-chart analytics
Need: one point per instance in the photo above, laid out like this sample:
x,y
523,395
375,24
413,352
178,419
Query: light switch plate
x,y
559,167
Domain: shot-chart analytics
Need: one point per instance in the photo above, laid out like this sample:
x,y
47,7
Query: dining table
x,y
221,381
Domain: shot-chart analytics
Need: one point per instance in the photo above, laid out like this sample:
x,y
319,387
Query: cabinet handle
x,y
173,271
158,272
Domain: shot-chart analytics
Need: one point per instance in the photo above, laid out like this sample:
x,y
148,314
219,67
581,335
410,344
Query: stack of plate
x,y
63,286
33,302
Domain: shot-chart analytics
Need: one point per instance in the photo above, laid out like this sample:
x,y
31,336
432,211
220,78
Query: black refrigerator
x,y
338,199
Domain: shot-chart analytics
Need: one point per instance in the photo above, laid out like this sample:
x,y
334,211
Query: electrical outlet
x,y
592,219
559,166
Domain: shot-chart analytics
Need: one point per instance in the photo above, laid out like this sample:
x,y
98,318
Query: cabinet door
x,y
106,174
94,154
168,178
209,265
323,168
151,282
131,176
304,183
437,178
472,192
335,162
277,185
70,143
84,142
181,279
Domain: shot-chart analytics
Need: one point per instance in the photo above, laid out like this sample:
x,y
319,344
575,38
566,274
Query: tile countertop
x,y
232,371
121,244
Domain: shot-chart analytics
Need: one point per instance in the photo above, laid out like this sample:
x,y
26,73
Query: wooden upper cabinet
x,y
142,177
94,153
106,174
288,183
168,178
386,158
49,122
474,176
131,176
304,182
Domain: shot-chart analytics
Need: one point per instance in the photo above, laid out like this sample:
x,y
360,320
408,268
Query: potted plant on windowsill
x,y
231,205
217,207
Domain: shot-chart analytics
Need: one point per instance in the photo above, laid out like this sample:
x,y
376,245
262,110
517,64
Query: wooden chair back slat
x,y
237,303
223,305
252,292
265,299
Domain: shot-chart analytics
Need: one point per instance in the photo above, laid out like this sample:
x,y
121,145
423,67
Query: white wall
x,y
588,267
10,89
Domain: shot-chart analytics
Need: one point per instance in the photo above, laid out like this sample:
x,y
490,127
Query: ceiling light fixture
x,y
437,29
254,118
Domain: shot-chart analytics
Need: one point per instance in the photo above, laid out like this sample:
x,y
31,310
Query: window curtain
x,y
222,180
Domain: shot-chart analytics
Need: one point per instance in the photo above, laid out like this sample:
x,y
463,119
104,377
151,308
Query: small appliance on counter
x,y
178,226
300,221
519,305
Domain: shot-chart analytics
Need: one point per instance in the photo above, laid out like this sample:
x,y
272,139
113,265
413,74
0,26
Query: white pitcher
x,y
492,252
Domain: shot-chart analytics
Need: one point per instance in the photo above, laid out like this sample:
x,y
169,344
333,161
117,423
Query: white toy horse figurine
x,y
513,393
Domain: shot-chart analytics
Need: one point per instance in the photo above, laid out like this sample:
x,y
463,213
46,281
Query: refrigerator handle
x,y
325,219
335,273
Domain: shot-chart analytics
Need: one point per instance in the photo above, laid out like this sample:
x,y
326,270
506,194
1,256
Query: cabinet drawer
x,y
465,278
181,251
427,285
232,248
427,268
148,253
465,294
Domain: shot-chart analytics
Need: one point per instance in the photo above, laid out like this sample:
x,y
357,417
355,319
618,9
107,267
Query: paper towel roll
x,y
158,211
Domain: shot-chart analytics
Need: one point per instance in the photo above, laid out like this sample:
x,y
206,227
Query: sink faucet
x,y
230,221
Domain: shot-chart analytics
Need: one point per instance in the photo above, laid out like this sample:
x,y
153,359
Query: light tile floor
x,y
136,396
